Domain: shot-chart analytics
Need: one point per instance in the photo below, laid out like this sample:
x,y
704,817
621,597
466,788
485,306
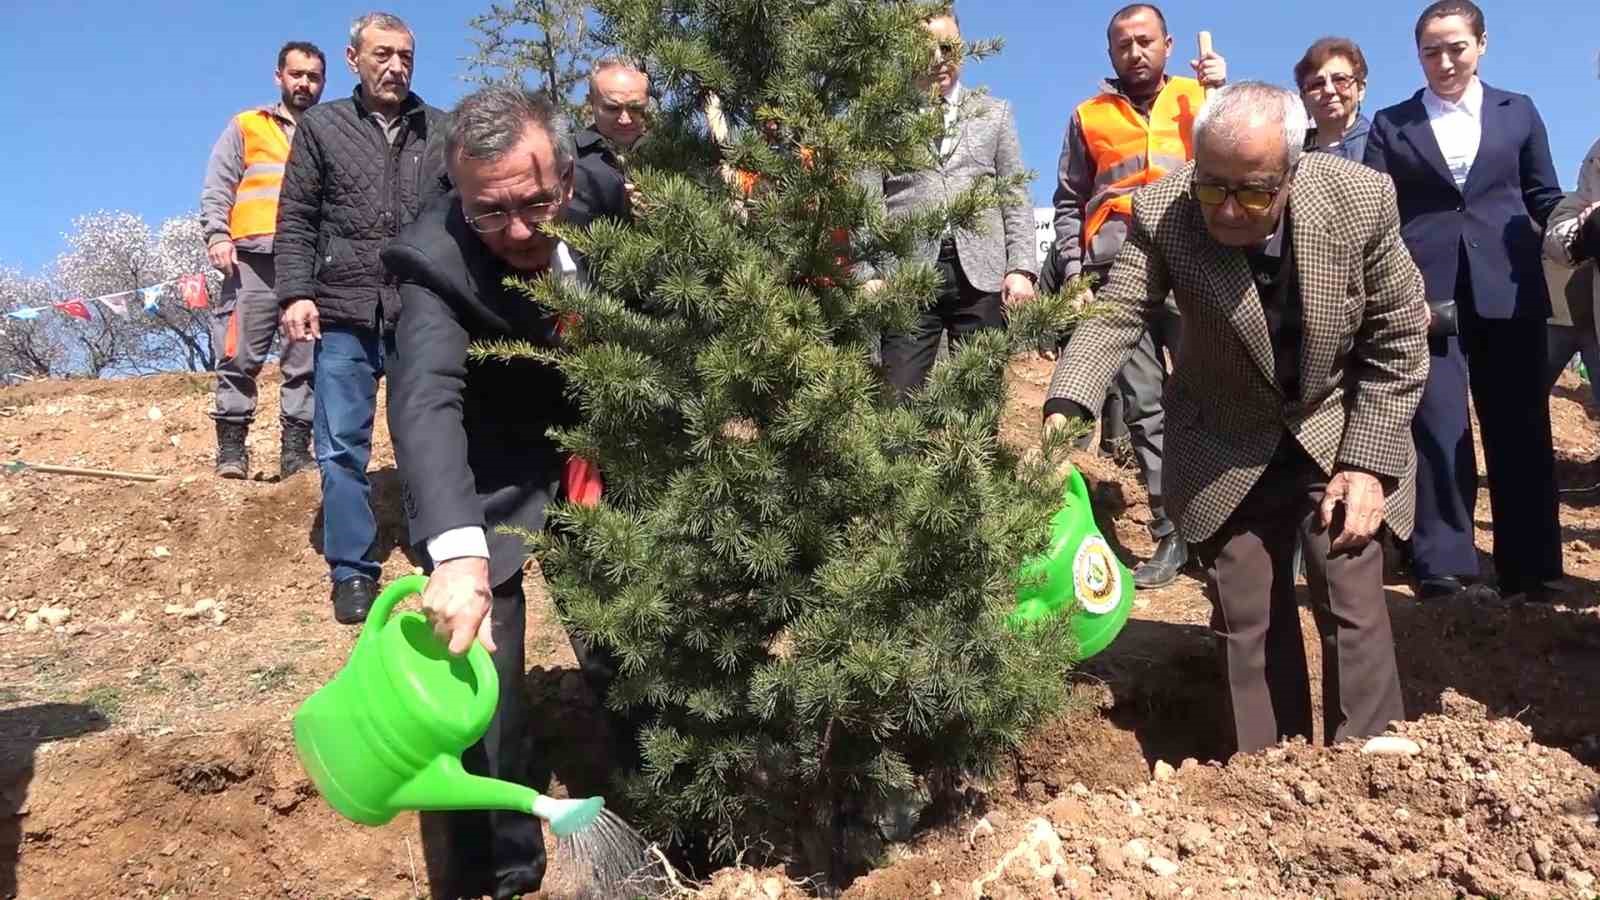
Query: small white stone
x,y
1078,790
1391,745
154,413
1134,809
31,623
1136,851
935,889
1164,771
128,616
1163,867
161,553
54,616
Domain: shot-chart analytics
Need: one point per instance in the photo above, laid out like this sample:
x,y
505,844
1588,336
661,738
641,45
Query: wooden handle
x,y
20,466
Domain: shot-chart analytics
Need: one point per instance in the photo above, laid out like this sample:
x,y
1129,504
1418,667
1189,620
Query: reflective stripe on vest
x,y
255,200
1130,152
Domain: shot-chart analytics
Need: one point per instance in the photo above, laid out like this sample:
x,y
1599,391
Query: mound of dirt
x,y
1480,810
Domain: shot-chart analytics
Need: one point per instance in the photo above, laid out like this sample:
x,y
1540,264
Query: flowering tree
x,y
29,348
115,253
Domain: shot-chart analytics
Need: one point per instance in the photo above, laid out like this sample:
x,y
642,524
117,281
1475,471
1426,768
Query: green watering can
x,y
1079,571
386,734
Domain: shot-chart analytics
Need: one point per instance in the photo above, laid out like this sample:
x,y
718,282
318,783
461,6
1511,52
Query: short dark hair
x,y
1133,9
1318,54
1463,8
490,121
306,47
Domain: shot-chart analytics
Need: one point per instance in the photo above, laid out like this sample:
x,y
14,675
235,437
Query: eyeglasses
x,y
1256,200
1319,84
634,110
532,214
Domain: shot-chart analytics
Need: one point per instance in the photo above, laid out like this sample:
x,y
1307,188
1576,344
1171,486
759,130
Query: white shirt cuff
x,y
458,543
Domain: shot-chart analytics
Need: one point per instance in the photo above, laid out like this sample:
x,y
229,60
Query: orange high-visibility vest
x,y
255,200
1129,151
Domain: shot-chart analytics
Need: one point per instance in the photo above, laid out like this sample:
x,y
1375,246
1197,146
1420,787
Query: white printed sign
x,y
1044,229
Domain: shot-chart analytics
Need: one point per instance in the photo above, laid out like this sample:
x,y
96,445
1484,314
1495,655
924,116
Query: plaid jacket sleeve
x,y
1389,362
1135,290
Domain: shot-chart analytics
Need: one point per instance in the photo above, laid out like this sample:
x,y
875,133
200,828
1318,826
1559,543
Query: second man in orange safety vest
x,y
1137,129
239,211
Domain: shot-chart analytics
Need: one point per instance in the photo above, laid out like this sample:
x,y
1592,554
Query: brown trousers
x,y
1249,563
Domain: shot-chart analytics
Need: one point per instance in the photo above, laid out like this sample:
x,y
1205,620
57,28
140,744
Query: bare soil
x,y
147,754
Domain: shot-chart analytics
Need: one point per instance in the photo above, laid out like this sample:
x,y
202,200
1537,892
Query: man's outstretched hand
x,y
458,601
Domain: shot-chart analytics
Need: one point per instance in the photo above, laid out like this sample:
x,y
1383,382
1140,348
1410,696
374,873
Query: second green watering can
x,y
386,734
1077,571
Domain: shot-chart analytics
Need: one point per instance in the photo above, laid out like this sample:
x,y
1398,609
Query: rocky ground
x,y
155,639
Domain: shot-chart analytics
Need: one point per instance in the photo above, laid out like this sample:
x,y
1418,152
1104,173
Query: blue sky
x,y
116,105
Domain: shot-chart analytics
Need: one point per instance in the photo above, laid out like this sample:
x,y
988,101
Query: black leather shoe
x,y
1442,587
1161,569
352,599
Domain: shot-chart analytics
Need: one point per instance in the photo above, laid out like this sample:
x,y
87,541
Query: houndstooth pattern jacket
x,y
1363,354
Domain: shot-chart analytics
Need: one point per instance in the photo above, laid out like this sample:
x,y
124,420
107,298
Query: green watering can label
x,y
1097,575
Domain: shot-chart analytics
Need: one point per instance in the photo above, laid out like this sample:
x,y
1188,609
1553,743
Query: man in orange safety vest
x,y
239,211
1137,129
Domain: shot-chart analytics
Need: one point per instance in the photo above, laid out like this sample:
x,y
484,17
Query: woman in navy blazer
x,y
1472,168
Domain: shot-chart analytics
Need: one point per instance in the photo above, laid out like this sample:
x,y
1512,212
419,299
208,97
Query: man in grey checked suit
x,y
980,272
1305,351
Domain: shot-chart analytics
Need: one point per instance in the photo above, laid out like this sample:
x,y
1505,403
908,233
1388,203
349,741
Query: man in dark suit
x,y
1303,355
469,436
619,102
1471,164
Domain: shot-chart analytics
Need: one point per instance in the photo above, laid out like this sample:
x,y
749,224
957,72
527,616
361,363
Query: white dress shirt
x,y
1458,127
470,541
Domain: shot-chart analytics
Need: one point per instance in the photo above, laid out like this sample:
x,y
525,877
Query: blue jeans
x,y
348,364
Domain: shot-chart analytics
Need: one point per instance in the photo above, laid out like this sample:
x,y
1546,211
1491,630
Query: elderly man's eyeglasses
x,y
499,220
1321,84
1256,200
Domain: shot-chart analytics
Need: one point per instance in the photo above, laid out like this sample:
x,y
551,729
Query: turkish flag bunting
x,y
193,288
76,309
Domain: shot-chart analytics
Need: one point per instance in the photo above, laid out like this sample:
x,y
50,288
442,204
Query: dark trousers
x,y
960,310
1502,362
501,847
507,848
1250,564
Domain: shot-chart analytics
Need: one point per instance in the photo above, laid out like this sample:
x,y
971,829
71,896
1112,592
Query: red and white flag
x,y
76,309
193,289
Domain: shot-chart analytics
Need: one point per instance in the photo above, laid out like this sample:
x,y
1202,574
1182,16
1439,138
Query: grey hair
x,y
607,63
387,21
488,122
1231,109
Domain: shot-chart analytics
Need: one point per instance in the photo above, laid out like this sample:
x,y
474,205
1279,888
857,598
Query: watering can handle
x,y
1077,488
388,600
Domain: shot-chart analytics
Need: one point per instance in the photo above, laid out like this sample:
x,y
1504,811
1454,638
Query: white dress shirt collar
x,y
1471,101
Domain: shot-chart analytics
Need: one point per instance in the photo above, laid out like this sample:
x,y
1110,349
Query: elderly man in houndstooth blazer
x,y
1304,353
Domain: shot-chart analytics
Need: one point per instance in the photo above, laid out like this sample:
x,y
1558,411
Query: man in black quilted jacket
x,y
359,170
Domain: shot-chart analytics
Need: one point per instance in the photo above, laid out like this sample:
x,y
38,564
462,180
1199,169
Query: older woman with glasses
x,y
1332,77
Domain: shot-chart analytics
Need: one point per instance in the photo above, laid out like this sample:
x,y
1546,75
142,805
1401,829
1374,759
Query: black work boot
x,y
352,599
294,451
233,460
1162,568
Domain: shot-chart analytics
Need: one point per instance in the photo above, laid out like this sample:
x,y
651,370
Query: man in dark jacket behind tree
x,y
358,171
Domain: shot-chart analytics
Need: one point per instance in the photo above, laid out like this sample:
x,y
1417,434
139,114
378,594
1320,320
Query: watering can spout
x,y
445,786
